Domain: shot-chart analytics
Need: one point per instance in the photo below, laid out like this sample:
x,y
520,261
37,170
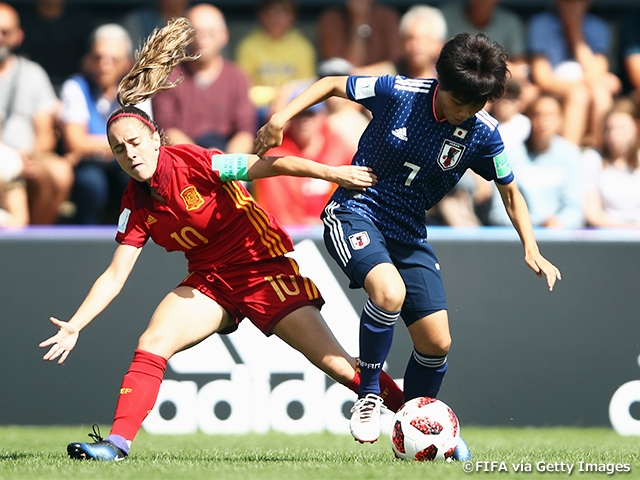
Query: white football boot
x,y
365,418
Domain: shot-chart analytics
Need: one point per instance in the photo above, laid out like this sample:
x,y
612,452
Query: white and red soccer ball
x,y
424,429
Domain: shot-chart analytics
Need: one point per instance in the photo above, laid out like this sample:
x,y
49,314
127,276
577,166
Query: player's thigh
x,y
430,334
360,249
305,330
184,318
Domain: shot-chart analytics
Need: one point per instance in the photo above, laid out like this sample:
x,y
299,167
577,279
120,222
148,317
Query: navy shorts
x,y
357,245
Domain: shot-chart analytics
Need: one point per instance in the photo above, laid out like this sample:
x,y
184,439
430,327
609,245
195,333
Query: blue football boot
x,y
99,450
462,453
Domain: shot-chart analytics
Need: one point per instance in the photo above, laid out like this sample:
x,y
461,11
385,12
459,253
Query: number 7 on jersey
x,y
414,171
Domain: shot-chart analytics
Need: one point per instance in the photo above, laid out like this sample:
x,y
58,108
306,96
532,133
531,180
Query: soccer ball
x,y
424,429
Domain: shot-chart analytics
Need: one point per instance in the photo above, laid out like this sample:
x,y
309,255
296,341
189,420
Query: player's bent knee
x,y
153,342
443,345
435,347
442,348
389,299
385,287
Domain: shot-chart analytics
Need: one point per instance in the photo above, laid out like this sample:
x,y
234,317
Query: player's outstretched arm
x,y
270,135
517,210
351,177
242,166
104,290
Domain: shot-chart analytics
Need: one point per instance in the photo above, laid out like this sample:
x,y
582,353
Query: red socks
x,y
389,391
138,393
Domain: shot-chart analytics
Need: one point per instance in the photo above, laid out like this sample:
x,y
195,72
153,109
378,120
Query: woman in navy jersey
x,y
425,133
186,198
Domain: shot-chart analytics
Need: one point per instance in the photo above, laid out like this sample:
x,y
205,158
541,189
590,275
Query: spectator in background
x,y
630,50
141,21
345,119
569,49
56,37
275,53
88,99
300,200
613,178
362,32
423,31
500,25
14,207
457,208
211,107
28,105
514,126
548,170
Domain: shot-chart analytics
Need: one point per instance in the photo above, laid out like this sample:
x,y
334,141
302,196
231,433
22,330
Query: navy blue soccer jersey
x,y
417,158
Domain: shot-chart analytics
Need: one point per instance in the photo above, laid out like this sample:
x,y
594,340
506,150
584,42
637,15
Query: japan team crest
x,y
450,154
359,240
192,198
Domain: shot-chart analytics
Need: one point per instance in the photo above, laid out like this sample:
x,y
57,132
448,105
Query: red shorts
x,y
265,291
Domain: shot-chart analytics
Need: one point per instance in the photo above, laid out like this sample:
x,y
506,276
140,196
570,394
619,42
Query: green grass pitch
x,y
39,453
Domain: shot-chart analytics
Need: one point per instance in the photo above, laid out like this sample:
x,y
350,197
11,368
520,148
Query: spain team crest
x,y
192,198
450,154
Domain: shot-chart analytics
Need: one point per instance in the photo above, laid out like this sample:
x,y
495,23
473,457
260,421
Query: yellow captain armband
x,y
231,166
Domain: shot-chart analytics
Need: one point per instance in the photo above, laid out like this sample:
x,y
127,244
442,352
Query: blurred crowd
x,y
569,119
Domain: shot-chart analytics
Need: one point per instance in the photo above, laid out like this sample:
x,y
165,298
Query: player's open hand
x,y
542,266
62,342
354,177
270,135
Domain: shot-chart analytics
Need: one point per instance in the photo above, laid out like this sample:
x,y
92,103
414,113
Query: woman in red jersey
x,y
186,198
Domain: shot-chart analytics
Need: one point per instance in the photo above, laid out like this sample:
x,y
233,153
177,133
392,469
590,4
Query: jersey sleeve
x,y
492,162
373,93
201,159
132,227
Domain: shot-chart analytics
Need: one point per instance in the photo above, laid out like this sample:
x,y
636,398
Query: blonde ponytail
x,y
165,49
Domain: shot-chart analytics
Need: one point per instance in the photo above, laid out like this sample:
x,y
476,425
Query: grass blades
x,y
39,453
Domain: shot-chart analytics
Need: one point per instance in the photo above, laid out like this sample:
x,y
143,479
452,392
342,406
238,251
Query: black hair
x,y
472,68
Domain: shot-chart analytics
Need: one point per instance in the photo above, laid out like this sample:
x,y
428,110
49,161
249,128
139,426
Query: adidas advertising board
x,y
562,341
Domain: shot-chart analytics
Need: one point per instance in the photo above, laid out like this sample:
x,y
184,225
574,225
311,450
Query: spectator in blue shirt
x,y
569,50
88,99
549,171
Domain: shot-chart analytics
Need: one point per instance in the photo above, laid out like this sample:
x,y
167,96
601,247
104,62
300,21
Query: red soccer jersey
x,y
214,223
